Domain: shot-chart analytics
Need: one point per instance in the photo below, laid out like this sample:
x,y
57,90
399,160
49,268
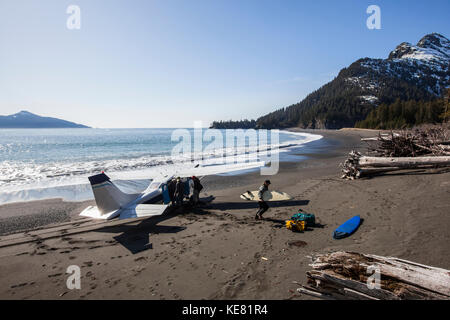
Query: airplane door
x,y
186,187
165,193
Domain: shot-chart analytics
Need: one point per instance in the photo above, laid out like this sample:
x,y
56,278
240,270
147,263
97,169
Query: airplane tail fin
x,y
107,195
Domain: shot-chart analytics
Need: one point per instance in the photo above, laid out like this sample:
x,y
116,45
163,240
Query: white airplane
x,y
112,202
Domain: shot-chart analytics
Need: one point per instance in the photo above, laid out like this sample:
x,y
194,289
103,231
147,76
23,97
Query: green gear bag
x,y
309,218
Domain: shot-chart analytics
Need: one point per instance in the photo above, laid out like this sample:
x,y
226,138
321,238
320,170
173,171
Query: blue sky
x,y
168,63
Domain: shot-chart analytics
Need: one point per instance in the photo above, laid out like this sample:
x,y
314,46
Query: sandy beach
x,y
219,251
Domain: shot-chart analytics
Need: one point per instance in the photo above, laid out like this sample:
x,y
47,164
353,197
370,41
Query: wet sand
x,y
219,251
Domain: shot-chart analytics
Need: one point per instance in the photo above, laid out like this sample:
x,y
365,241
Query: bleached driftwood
x,y
403,162
346,275
358,165
411,143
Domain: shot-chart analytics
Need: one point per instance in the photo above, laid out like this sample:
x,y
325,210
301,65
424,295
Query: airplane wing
x,y
143,210
111,201
206,170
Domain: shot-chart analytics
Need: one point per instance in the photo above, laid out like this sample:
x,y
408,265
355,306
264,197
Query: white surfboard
x,y
267,196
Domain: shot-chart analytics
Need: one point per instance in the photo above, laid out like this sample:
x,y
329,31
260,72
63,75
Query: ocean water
x,y
55,163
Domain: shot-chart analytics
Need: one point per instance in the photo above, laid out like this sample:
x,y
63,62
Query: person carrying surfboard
x,y
263,206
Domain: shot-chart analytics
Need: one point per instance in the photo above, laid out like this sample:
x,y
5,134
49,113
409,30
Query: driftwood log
x,y
403,162
350,275
420,148
358,165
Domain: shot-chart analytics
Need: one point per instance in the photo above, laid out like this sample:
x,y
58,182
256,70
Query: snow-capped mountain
x,y
426,64
411,72
433,49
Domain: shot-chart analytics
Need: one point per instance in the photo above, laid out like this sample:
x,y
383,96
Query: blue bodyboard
x,y
347,228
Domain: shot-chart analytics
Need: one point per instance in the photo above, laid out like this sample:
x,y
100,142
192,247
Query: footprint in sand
x,y
88,263
140,259
54,275
21,285
193,266
115,282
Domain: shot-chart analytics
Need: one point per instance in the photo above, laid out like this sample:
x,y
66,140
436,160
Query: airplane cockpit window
x,y
154,185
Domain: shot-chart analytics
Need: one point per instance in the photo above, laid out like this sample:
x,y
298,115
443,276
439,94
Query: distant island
x,y
25,119
242,124
409,88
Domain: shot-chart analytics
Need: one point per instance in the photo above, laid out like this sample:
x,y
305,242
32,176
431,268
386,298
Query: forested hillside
x,y
414,77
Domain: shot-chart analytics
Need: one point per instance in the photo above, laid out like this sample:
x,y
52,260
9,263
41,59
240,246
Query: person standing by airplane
x,y
197,187
191,190
171,188
263,206
179,192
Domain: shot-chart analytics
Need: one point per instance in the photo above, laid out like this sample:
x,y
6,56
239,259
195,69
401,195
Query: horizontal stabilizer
x,y
143,210
93,212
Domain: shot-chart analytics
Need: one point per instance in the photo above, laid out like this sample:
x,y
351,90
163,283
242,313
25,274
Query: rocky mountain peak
x,y
432,47
434,41
401,50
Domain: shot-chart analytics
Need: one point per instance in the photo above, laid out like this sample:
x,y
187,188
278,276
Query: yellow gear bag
x,y
295,225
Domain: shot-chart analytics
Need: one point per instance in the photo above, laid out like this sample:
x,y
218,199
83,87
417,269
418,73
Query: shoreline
x,y
134,179
218,251
26,215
